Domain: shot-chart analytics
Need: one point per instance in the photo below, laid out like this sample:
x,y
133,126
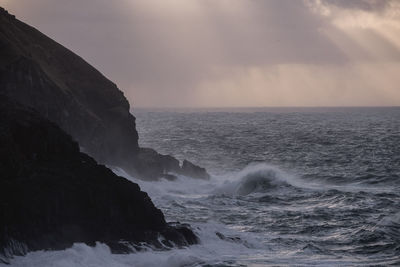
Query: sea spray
x,y
290,188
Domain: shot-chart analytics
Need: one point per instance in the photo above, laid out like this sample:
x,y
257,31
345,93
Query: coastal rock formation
x,y
52,195
189,169
42,74
153,166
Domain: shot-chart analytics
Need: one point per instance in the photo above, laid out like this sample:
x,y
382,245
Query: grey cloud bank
x,y
231,53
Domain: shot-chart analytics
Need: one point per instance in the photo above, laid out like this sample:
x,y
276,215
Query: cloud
x,y
365,5
166,52
304,85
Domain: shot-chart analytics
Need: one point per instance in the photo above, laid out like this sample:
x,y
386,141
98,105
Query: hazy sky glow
x,y
232,52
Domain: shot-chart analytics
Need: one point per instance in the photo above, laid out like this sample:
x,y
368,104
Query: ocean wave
x,y
219,247
259,178
230,227
81,255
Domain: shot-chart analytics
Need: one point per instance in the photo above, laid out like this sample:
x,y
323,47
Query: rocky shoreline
x,y
52,195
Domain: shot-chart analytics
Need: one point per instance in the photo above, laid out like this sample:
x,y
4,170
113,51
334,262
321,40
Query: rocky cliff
x,y
42,74
52,195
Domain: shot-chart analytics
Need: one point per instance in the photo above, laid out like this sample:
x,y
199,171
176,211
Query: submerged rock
x,y
52,195
234,239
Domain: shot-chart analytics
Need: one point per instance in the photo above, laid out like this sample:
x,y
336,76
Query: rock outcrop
x,y
154,166
191,170
52,195
42,74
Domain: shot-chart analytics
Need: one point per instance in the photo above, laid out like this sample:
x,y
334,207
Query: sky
x,y
232,53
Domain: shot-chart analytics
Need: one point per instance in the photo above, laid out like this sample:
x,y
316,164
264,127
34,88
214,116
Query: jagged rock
x,y
154,166
194,171
149,164
52,195
40,73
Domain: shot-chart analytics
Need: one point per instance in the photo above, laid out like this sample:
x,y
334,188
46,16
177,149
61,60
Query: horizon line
x,y
255,107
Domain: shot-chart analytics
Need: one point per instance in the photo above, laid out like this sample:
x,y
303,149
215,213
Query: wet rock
x,y
52,195
223,237
150,165
234,239
194,171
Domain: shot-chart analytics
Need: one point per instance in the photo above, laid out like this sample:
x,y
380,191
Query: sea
x,y
288,187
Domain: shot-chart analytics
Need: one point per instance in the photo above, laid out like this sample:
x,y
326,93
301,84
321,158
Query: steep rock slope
x,y
52,195
42,74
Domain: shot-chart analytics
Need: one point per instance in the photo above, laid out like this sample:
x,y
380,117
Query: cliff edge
x,y
42,74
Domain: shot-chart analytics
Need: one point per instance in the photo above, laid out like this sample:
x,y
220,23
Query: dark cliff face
x,y
40,73
52,195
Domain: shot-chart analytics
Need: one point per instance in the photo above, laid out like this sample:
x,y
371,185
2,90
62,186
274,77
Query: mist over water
x,y
288,187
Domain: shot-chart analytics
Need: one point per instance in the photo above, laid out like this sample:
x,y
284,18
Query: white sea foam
x,y
187,199
252,179
211,250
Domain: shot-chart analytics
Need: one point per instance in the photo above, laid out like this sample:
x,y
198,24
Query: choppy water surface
x,y
288,187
